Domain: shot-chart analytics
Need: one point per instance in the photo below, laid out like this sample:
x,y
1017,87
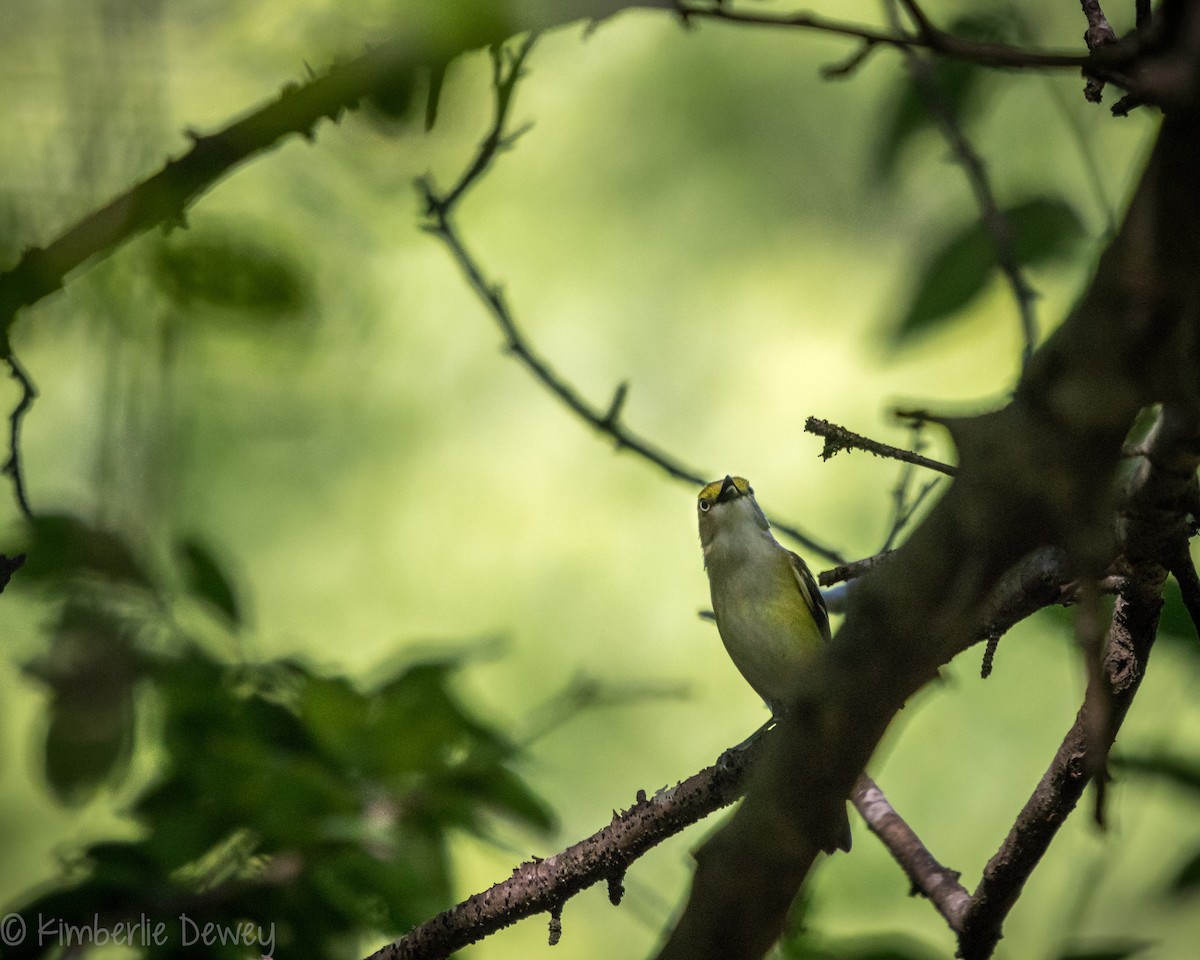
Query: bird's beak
x,y
729,490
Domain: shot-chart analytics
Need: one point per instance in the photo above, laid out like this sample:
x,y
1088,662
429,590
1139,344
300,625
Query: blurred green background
x,y
302,384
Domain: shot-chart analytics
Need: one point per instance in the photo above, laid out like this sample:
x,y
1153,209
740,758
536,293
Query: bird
x,y
767,605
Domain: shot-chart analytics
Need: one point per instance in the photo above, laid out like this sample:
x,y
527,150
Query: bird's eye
x,y
704,505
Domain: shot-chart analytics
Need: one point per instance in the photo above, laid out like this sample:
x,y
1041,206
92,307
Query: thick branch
x,y
1133,339
1154,525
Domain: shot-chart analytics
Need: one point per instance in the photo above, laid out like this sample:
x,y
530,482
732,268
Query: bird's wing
x,y
811,593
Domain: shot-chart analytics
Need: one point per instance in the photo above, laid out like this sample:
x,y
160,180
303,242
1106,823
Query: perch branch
x,y
543,886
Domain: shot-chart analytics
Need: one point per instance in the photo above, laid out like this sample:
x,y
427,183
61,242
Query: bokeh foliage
x,y
298,379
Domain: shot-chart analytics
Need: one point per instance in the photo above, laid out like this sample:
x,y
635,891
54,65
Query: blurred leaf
x,y
1179,771
63,546
437,78
90,670
392,96
1175,624
1188,879
229,273
1044,228
962,88
9,566
1106,950
207,581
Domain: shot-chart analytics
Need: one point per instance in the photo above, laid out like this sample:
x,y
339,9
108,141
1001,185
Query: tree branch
x,y
839,438
543,886
16,419
928,38
928,877
1099,33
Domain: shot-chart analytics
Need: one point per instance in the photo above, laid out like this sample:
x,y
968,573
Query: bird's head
x,y
728,507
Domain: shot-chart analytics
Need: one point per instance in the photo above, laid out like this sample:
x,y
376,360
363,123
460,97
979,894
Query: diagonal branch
x,y
839,438
543,886
927,876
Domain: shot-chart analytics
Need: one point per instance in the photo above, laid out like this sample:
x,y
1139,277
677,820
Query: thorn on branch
x,y
555,925
836,71
610,419
616,888
989,655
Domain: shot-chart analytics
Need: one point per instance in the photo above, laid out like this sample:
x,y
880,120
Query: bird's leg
x,y
737,754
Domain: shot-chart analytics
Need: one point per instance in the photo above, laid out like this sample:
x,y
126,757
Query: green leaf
x,y
229,273
63,546
1178,771
1044,228
1106,950
207,581
961,87
1187,880
90,670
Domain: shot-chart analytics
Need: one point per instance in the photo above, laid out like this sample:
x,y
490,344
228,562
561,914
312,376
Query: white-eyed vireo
x,y
768,607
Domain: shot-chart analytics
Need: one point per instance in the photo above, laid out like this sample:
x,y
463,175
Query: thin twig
x,y
1099,33
997,225
439,209
12,466
938,41
928,877
850,571
839,438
